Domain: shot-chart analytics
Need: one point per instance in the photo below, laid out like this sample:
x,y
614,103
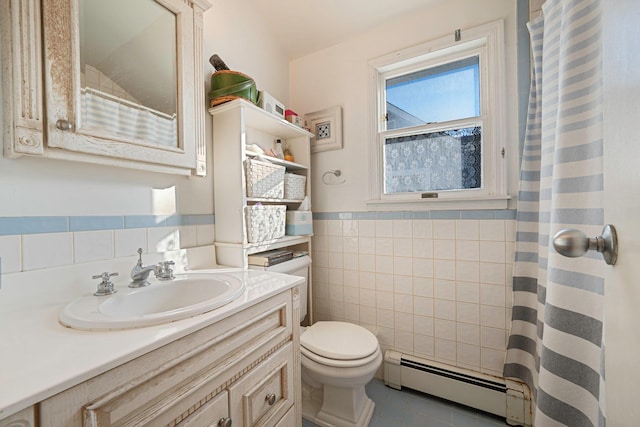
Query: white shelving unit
x,y
236,124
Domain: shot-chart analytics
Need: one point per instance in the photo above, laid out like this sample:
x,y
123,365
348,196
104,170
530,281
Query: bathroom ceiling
x,y
306,26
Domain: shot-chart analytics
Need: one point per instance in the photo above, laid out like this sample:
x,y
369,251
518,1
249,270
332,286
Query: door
x,y
621,38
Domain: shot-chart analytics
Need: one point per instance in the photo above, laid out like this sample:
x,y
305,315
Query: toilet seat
x,y
334,363
339,344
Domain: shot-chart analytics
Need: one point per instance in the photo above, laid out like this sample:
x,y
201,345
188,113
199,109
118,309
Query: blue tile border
x,y
446,214
508,214
33,225
144,221
436,215
60,224
416,215
389,215
365,215
92,223
477,215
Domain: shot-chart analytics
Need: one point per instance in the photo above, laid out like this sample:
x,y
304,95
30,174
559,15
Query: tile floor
x,y
409,408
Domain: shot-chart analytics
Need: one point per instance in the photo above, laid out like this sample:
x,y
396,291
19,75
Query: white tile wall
x,y
436,289
205,234
47,250
35,251
92,245
128,241
188,236
10,254
161,239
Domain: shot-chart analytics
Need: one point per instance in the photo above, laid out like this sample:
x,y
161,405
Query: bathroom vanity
x,y
238,364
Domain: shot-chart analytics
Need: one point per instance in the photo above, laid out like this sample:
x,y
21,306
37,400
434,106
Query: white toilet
x,y
338,360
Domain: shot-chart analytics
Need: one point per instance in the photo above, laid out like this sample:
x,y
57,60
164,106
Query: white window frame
x,y
487,42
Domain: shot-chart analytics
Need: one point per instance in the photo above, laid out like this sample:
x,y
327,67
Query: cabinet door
x,y
111,97
264,395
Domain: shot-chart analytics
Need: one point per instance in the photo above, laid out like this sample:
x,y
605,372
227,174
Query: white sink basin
x,y
162,302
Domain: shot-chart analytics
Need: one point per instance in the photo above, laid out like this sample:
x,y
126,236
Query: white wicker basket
x,y
265,222
264,179
294,186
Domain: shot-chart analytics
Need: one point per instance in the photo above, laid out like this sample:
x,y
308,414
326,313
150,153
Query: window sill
x,y
466,203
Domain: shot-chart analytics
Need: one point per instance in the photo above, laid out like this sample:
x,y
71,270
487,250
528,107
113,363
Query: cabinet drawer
x,y
210,413
265,393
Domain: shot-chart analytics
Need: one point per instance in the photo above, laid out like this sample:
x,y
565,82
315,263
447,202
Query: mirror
x,y
115,82
128,70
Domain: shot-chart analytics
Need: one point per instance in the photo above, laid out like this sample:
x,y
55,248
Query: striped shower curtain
x,y
556,344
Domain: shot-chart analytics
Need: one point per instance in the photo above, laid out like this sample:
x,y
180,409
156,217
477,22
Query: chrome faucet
x,y
164,271
106,287
140,273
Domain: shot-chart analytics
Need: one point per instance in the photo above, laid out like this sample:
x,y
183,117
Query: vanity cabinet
x,y
236,124
244,369
123,89
24,418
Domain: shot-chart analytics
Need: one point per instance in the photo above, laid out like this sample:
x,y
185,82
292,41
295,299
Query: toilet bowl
x,y
338,360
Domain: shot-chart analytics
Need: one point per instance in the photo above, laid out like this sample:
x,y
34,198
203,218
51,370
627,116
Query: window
x,y
434,95
439,120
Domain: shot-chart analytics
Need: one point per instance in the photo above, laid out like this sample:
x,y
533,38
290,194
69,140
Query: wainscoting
x,y
431,284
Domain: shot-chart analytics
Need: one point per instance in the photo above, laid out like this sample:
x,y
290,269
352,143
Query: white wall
x,y
339,76
239,35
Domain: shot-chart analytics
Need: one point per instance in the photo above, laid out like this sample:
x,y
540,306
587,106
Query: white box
x,y
270,104
299,223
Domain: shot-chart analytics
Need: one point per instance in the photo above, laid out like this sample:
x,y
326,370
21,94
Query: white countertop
x,y
39,357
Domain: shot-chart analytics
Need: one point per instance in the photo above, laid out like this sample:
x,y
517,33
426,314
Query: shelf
x,y
292,166
265,200
282,242
259,119
236,124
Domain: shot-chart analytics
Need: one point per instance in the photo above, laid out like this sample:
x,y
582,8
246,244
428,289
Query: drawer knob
x,y
224,422
271,398
64,125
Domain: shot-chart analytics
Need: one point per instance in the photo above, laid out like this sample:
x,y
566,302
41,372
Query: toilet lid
x,y
339,340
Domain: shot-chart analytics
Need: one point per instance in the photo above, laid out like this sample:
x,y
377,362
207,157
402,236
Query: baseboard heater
x,y
498,396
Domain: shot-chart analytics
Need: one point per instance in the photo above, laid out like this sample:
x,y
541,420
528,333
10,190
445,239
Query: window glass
x,y
433,161
434,95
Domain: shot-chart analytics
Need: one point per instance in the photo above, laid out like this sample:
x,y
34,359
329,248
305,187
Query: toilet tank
x,y
296,267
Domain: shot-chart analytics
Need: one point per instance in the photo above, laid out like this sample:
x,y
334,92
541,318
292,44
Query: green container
x,y
227,85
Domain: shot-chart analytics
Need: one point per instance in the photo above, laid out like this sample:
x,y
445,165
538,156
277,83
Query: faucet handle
x,y
139,256
164,271
106,287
